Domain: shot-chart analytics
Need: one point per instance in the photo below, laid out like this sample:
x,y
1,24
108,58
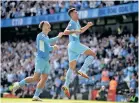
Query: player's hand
x,y
89,24
60,34
55,47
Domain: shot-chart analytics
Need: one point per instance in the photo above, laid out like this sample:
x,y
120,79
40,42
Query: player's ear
x,y
71,14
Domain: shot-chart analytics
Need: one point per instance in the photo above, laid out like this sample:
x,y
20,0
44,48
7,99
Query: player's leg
x,y
65,87
72,65
88,61
39,66
40,86
34,78
89,52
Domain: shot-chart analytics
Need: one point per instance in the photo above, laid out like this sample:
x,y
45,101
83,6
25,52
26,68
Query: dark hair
x,y
70,11
113,78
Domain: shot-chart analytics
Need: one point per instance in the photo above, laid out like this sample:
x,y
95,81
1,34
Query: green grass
x,y
29,100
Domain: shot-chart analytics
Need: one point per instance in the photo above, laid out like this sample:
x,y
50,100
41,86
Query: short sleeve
x,y
71,26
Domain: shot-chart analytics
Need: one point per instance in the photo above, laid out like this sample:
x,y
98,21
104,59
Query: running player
x,y
42,66
75,48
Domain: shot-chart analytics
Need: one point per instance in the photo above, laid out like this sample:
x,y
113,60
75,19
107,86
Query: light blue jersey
x,y
43,52
43,46
74,26
75,48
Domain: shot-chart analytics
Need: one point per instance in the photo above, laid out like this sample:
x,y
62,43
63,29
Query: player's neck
x,y
74,20
45,32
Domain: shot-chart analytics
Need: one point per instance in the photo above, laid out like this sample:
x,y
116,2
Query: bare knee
x,y
36,79
90,52
44,77
43,81
72,65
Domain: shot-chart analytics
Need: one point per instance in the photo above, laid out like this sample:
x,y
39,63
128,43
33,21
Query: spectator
x,y
132,96
113,84
84,5
109,3
133,82
102,94
15,9
92,4
75,87
51,10
130,69
105,77
10,77
57,8
58,84
132,39
98,3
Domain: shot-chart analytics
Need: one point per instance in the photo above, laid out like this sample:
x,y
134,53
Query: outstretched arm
x,y
46,41
52,40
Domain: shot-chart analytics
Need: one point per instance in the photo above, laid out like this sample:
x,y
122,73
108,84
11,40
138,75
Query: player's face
x,y
75,14
47,27
103,88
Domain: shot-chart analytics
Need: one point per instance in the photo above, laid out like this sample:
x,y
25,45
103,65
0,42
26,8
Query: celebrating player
x,y
42,67
75,48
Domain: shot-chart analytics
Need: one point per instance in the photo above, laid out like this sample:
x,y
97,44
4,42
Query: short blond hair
x,y
42,23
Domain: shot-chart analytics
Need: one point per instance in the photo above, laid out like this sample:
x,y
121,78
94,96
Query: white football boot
x,y
35,98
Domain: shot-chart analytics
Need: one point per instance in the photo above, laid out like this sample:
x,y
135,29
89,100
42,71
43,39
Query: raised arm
x,y
83,29
70,29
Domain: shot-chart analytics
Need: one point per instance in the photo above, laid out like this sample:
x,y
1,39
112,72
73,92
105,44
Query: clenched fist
x,y
89,24
60,34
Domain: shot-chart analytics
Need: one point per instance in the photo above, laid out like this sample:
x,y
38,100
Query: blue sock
x,y
38,92
22,82
68,76
87,63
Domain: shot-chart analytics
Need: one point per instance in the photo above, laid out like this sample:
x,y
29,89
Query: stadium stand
x,y
17,9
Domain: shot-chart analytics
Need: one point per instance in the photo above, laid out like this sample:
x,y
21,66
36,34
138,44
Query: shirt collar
x,y
44,34
74,21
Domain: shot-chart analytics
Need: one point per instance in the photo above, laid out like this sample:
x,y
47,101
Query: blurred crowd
x,y
18,8
116,64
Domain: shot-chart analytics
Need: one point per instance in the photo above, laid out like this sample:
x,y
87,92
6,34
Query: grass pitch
x,y
29,100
